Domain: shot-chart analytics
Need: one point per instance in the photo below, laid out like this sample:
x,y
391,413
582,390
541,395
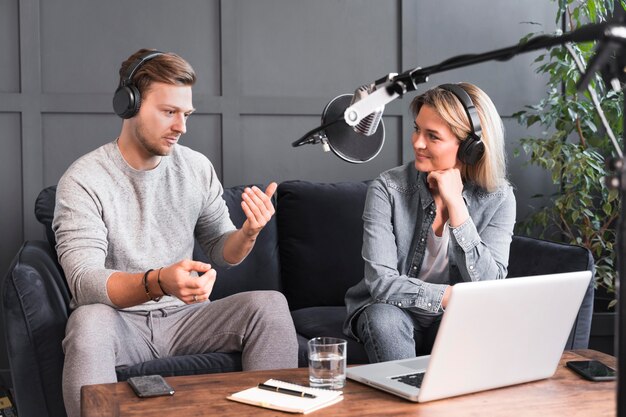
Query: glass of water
x,y
327,362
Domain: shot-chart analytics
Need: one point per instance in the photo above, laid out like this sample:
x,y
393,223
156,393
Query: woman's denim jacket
x,y
399,209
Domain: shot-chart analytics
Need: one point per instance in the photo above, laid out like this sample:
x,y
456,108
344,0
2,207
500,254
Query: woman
x,y
446,217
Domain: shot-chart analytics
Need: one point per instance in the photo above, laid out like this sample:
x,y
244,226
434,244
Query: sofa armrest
x,y
531,256
44,211
35,308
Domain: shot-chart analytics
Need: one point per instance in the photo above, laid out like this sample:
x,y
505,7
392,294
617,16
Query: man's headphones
x,y
127,99
472,148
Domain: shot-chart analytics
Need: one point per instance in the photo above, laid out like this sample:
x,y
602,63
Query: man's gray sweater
x,y
110,217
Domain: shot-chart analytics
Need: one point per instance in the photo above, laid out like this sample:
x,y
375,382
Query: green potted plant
x,y
574,148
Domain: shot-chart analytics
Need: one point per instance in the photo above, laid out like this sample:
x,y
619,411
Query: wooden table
x,y
565,394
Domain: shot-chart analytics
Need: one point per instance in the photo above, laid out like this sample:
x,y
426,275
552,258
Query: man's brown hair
x,y
167,68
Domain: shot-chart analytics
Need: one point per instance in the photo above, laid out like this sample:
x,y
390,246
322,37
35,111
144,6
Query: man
x,y
125,220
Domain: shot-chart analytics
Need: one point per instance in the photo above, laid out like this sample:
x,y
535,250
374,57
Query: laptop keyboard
x,y
414,380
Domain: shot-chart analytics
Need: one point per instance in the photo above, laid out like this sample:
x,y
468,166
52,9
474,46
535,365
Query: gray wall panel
x,y
489,26
69,136
83,43
9,45
11,220
316,48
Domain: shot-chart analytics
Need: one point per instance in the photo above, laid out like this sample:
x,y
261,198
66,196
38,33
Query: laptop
x,y
492,334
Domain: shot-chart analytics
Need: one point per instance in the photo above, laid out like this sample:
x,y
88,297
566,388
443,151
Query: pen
x,y
286,391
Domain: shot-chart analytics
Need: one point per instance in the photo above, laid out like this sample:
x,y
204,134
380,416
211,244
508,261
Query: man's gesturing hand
x,y
178,280
258,208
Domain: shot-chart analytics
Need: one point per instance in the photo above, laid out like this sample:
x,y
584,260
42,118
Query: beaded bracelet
x,y
145,286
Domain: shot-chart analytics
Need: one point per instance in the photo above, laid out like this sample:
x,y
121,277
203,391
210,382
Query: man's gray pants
x,y
98,338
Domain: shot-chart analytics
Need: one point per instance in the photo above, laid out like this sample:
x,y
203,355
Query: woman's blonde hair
x,y
490,171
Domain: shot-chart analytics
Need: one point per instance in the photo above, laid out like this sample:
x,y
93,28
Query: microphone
x,y
369,124
354,141
378,94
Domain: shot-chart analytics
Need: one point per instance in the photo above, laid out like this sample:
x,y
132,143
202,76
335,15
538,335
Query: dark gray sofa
x,y
310,252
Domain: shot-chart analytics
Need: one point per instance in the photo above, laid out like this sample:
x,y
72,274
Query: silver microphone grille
x,y
370,123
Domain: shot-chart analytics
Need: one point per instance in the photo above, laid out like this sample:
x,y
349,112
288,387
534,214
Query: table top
x,y
564,394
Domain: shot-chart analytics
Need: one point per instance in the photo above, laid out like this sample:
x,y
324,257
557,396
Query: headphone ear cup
x,y
126,101
136,103
471,150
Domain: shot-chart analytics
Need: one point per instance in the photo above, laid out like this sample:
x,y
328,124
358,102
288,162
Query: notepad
x,y
285,402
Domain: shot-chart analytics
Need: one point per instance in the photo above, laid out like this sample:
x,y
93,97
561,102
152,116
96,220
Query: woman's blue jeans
x,y
390,332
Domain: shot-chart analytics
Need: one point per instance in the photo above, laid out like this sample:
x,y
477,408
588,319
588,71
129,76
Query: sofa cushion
x,y
184,365
320,234
327,321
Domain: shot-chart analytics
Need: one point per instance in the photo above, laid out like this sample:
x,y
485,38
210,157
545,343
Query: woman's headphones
x,y
127,99
472,148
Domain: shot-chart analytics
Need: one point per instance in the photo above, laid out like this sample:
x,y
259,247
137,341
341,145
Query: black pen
x,y
286,391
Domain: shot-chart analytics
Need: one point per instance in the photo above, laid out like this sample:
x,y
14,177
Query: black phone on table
x,y
150,386
592,370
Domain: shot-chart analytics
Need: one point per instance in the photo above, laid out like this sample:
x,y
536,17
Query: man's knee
x,y
269,301
270,308
91,325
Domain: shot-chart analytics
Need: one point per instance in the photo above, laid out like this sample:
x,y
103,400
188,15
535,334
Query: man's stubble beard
x,y
145,143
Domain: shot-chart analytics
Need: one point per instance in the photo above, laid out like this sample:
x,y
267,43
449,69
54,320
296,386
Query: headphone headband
x,y
132,68
468,106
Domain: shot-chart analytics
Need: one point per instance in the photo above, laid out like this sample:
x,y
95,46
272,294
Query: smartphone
x,y
150,386
592,370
